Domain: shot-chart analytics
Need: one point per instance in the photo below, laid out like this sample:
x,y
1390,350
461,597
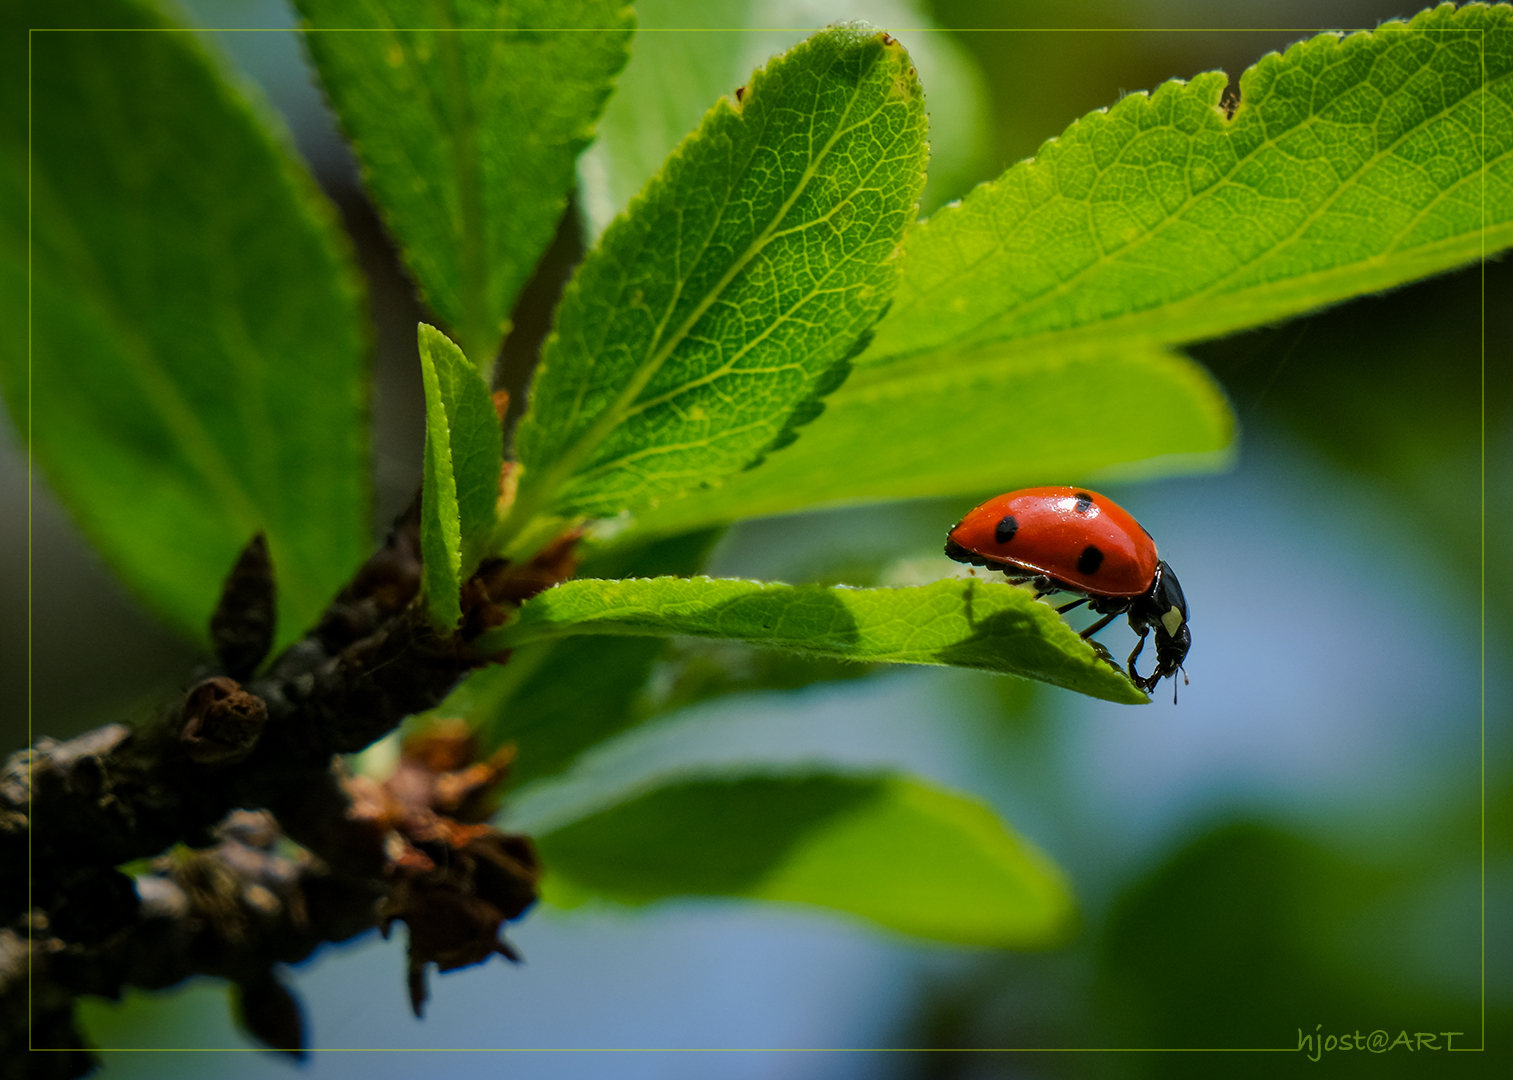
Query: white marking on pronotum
x,y
1172,620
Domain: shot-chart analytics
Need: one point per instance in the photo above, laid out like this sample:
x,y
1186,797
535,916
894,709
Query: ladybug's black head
x,y
1164,609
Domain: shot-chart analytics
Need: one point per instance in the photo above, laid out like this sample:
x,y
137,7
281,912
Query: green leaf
x,y
686,56
444,101
991,421
555,699
440,520
960,622
714,313
1352,164
1417,440
466,416
197,357
464,447
894,850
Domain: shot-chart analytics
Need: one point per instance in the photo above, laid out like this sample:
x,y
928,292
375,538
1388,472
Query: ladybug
x,y
1066,539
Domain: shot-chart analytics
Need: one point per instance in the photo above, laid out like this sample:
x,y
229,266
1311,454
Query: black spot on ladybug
x,y
1090,560
1084,502
1006,529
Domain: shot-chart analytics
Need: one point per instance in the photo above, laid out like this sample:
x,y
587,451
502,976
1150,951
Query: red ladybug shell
x,y
1080,538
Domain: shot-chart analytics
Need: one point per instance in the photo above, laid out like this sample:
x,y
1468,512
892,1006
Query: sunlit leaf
x,y
444,101
960,622
461,487
1352,164
726,301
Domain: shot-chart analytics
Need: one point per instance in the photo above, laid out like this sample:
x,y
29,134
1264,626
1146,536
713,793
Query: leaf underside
x,y
197,362
990,422
896,851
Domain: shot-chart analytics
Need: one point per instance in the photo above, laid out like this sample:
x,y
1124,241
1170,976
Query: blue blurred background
x,y
1299,842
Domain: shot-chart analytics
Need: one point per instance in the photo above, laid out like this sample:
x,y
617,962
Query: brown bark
x,y
228,768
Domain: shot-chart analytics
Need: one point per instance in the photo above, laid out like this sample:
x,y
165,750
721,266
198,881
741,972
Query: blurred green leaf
x,y
986,422
959,622
1417,440
1351,165
894,850
196,365
444,102
687,55
555,699
1305,935
713,315
464,448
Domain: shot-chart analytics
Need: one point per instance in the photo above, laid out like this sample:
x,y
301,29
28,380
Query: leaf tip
x,y
429,337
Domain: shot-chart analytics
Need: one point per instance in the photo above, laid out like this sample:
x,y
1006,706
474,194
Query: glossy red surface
x,y
1051,537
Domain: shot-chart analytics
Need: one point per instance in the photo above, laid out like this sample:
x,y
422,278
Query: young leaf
x,y
990,421
555,699
732,291
1352,164
440,524
444,102
891,849
196,370
464,446
960,622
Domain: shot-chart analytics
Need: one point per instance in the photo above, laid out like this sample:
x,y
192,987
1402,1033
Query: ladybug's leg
x,y
1099,625
1064,608
1104,655
1040,584
1133,674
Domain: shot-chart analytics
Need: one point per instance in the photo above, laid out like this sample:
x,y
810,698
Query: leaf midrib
x,y
729,365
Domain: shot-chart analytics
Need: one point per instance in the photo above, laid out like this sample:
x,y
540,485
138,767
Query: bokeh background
x,y
1315,839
